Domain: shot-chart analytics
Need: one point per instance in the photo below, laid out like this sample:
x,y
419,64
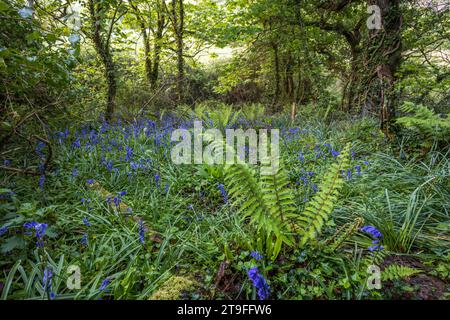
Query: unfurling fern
x,y
318,210
396,272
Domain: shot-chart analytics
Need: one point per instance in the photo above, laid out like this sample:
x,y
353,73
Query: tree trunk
x,y
157,45
289,79
148,59
276,74
383,57
102,48
178,25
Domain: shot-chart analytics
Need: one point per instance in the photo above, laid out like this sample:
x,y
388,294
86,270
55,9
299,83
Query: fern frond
x,y
425,121
318,210
343,233
396,272
268,202
279,199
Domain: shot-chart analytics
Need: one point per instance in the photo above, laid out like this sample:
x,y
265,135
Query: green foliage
x,y
268,202
238,64
219,115
35,57
397,272
344,233
319,209
403,199
426,122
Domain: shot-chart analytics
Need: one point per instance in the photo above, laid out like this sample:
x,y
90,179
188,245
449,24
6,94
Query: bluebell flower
x,y
76,144
41,168
47,280
358,169
86,222
90,182
224,192
41,182
93,137
38,229
259,282
349,174
3,230
256,255
40,145
122,193
75,172
372,231
7,163
377,235
157,179
334,153
104,284
117,201
109,165
304,179
374,248
128,154
84,240
141,232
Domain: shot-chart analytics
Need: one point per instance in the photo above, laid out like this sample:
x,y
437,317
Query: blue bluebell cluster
x,y
141,232
85,237
259,282
84,240
87,203
256,255
117,199
40,145
376,235
221,187
7,195
37,229
3,230
41,182
104,284
86,222
47,282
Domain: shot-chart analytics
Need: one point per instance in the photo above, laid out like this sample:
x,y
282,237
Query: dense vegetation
x,y
92,90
